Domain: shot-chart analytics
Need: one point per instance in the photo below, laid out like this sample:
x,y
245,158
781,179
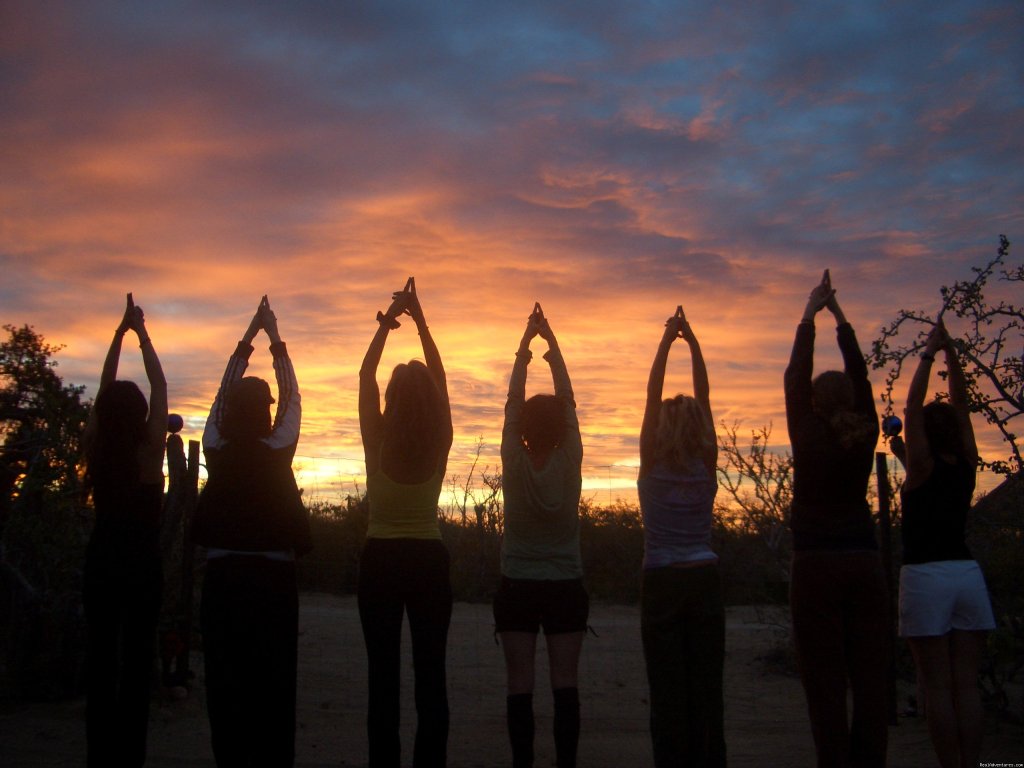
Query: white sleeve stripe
x,y
211,435
289,406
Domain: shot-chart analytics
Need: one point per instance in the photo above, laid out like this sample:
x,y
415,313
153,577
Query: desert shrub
x,y
750,570
612,547
611,544
475,560
338,532
44,639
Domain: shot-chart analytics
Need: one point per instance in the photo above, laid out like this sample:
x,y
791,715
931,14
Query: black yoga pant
x,y
682,623
250,623
398,576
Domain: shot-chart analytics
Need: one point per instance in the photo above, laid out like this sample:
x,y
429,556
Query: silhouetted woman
x,y
124,443
404,564
944,606
837,589
541,570
682,618
253,524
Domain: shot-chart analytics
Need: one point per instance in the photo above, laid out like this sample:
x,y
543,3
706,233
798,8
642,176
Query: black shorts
x,y
526,605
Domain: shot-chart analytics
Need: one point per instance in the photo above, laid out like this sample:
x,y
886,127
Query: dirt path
x,y
766,723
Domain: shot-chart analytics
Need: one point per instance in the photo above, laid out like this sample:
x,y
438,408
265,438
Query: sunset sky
x,y
608,159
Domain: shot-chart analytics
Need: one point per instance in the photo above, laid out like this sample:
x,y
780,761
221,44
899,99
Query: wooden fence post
x,y
885,531
187,560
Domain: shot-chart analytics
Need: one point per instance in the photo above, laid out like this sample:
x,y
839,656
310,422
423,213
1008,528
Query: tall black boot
x,y
519,708
567,726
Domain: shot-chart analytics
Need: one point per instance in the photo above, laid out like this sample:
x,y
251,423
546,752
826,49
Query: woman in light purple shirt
x,y
682,617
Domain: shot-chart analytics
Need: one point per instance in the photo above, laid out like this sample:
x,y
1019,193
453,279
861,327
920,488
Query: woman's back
x,y
400,510
677,505
542,455
541,537
833,453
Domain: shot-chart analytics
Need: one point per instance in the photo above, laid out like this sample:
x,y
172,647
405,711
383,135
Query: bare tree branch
x,y
994,329
760,486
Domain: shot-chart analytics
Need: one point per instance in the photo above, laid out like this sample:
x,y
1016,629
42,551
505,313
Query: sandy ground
x,y
766,722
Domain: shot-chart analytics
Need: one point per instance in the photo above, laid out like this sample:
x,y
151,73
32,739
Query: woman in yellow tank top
x,y
404,565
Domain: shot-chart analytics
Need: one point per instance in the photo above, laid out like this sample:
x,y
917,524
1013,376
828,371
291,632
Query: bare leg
x,y
564,658
520,649
965,651
932,655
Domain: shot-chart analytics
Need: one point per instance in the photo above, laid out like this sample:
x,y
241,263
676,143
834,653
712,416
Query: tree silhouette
x,y
42,537
41,421
990,349
759,483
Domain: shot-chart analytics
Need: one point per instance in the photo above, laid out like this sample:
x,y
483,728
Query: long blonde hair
x,y
684,432
413,415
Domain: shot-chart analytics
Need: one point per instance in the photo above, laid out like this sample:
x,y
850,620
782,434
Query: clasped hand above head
x,y
823,296
537,325
403,302
677,327
264,319
134,319
938,339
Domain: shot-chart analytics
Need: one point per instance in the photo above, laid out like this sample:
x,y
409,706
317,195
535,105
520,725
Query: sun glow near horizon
x,y
609,382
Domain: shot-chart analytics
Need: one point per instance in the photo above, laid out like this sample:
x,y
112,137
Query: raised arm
x,y
701,390
511,433
801,361
571,440
288,418
701,387
237,363
857,370
655,389
109,373
152,456
675,327
371,419
853,360
431,356
959,399
919,458
152,451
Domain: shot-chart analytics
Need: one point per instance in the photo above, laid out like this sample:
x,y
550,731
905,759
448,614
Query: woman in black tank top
x,y
944,606
124,445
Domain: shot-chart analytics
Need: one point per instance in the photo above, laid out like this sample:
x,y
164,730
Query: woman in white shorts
x,y
944,605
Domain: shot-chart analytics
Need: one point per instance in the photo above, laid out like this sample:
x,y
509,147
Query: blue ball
x,y
891,426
